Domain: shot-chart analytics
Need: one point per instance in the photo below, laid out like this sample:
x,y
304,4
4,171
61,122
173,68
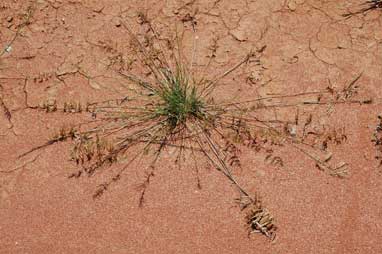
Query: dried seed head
x,y
72,107
259,220
49,106
64,133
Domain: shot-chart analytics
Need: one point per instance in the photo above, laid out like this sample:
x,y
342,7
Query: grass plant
x,y
173,105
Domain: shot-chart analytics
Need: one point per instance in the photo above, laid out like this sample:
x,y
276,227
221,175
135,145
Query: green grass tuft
x,y
179,100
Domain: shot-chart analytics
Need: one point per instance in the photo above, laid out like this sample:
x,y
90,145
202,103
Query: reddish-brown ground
x,y
62,54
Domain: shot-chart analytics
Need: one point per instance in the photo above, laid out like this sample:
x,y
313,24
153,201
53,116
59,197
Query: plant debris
x,y
377,140
369,6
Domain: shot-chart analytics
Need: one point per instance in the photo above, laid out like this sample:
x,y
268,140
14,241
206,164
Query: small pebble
x,y
239,34
117,23
98,9
8,48
292,5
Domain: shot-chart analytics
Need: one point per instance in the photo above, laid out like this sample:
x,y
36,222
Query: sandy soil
x,y
63,50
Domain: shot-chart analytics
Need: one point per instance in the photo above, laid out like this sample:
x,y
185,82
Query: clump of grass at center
x,y
179,99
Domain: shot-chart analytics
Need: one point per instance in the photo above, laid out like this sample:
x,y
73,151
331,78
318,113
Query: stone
x,y
239,34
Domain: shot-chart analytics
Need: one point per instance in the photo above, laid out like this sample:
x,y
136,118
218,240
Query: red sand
x,y
308,43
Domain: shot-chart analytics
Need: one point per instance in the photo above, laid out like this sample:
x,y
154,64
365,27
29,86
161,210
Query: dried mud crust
x,y
53,52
